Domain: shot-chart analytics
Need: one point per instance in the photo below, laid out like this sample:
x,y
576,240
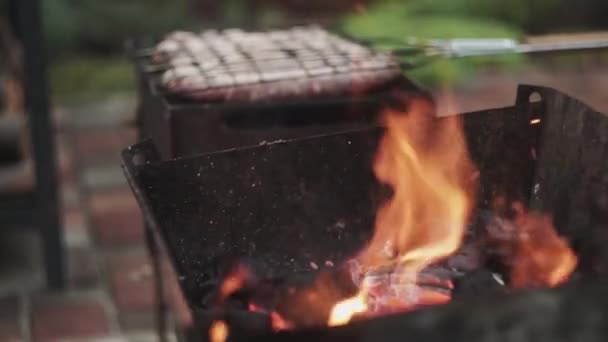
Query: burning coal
x,y
538,256
426,163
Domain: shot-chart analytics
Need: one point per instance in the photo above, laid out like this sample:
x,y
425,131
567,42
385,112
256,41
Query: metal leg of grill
x,y
161,305
36,97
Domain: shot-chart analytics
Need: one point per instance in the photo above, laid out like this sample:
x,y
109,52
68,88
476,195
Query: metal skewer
x,y
417,52
458,48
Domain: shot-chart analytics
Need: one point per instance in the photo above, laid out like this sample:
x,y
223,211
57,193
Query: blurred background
x,y
109,290
86,37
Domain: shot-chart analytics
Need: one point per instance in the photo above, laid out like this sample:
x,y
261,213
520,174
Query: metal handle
x,y
465,47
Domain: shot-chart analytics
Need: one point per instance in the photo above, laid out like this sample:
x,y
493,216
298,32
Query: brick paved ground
x,y
110,295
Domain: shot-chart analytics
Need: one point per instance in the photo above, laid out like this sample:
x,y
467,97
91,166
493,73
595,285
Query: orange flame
x,y
277,321
342,312
218,332
234,281
542,257
425,161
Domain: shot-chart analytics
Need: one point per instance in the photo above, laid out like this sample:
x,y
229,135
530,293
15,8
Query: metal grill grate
x,y
232,64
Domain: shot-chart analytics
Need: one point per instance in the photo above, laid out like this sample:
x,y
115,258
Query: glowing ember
x,y
425,161
529,243
541,258
234,281
218,331
346,309
277,321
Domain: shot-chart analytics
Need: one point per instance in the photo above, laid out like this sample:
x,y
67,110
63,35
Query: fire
x,y
218,331
530,245
342,312
234,281
426,163
541,257
277,321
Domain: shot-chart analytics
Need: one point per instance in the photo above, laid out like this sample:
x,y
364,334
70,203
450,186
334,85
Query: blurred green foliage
x,y
98,28
429,19
528,15
90,78
95,26
86,37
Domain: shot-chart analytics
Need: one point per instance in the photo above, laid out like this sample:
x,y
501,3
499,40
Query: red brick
x,y
118,227
99,144
70,194
137,321
65,163
110,199
56,320
73,219
83,271
129,135
131,283
117,219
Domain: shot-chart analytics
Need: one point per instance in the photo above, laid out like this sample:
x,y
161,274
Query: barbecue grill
x,y
220,90
283,205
